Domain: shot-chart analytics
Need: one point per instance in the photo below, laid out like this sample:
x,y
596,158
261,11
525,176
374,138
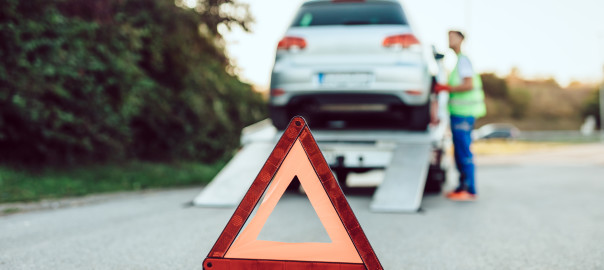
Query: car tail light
x,y
291,42
277,92
414,92
405,40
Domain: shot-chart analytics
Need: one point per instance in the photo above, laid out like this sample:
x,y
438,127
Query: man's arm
x,y
466,85
466,72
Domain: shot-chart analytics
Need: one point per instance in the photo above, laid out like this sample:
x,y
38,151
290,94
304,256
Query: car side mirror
x,y
437,55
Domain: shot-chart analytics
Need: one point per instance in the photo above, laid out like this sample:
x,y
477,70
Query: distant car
x,y
352,61
496,131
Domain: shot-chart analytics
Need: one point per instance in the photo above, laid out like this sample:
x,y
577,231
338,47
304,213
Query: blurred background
x,y
109,95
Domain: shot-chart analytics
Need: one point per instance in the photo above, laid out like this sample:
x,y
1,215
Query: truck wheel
x,y
419,117
279,116
435,180
294,185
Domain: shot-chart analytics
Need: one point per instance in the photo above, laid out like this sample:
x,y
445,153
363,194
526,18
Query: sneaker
x,y
462,196
451,193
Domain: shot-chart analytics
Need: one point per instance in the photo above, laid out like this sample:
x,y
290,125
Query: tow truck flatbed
x,y
396,161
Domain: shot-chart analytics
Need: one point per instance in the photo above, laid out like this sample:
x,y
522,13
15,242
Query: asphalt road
x,y
530,215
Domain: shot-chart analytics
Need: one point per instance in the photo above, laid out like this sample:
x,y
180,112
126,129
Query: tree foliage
x,y
494,86
104,80
538,103
223,12
520,101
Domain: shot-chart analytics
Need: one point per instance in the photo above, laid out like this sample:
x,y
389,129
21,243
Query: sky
x,y
563,39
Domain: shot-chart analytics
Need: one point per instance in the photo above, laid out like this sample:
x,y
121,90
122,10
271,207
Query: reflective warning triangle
x,y
295,155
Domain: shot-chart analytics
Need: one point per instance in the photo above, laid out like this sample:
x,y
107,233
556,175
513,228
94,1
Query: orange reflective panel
x,y
340,249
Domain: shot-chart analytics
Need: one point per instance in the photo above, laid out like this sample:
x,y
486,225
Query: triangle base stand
x,y
254,264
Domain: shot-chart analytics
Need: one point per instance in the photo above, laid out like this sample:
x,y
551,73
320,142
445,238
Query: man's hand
x,y
434,120
441,88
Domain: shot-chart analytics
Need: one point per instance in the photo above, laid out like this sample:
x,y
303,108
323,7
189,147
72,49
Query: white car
x,y
496,131
352,64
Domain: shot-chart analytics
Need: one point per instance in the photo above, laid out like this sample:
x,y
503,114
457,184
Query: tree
x,y
519,100
229,13
84,81
494,86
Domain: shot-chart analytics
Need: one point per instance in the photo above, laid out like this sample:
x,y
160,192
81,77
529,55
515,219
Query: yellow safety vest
x,y
468,103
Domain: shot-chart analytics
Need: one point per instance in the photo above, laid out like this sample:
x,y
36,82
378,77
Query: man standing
x,y
466,104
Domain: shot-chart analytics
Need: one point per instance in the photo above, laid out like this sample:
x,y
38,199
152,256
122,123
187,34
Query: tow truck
x,y
341,63
402,164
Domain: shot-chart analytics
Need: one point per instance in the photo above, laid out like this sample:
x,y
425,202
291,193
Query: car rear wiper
x,y
355,22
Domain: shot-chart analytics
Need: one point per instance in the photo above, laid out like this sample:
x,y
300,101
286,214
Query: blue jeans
x,y
461,128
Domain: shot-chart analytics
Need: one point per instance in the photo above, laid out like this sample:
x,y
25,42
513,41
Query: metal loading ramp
x,y
230,185
404,180
232,182
402,156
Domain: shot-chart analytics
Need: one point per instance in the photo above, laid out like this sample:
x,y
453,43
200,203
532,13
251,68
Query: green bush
x,y
520,100
494,87
89,81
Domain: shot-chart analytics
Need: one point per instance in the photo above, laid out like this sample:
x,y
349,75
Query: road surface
x,y
531,214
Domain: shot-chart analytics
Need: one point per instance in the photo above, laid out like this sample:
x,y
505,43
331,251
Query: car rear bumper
x,y
348,110
407,83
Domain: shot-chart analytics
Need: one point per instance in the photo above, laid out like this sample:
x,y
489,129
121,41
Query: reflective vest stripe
x,y
458,102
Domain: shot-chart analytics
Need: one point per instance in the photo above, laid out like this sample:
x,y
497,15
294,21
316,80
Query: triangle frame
x,y
297,133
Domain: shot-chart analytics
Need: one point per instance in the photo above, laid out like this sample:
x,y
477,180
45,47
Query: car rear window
x,y
349,13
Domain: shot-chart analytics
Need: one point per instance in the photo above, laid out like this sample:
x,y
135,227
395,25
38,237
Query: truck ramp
x,y
230,185
403,185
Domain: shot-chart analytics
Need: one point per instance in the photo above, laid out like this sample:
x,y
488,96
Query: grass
x,y
10,210
17,185
534,124
503,147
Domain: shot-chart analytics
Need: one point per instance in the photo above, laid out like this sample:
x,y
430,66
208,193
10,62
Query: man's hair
x,y
459,33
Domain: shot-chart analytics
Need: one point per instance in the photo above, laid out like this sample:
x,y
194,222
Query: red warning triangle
x,y
296,154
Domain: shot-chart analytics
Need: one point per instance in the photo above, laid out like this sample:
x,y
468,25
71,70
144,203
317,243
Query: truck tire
x,y
294,185
341,175
419,117
435,180
280,117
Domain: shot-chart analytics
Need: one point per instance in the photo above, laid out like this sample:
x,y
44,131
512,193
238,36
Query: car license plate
x,y
345,79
